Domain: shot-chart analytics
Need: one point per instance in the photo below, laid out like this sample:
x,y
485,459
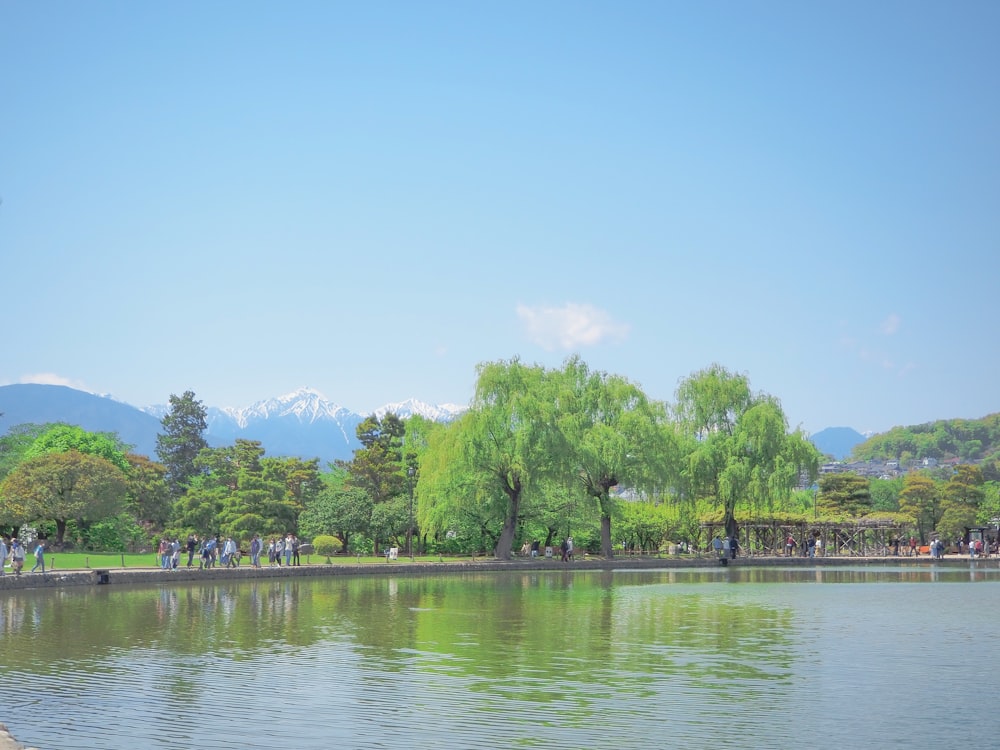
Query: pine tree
x,y
182,438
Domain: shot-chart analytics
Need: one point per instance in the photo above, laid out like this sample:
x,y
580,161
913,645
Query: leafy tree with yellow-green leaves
x,y
62,486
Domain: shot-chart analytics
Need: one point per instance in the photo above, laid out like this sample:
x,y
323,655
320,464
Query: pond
x,y
751,657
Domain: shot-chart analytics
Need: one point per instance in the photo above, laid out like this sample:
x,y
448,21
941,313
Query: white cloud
x,y
569,326
50,378
891,324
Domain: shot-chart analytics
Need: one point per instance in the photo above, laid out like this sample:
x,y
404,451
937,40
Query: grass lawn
x,y
116,561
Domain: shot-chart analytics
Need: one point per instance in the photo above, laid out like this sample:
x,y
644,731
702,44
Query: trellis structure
x,y
861,537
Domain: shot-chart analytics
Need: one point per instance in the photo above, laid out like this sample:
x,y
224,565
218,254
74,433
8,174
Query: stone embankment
x,y
345,567
9,743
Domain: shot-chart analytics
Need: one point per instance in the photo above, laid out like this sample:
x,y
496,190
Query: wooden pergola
x,y
861,537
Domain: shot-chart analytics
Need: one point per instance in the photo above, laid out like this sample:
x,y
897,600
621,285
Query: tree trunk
x,y
512,488
60,532
506,541
606,549
729,520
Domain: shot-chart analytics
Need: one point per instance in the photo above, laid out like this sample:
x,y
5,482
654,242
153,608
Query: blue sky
x,y
242,198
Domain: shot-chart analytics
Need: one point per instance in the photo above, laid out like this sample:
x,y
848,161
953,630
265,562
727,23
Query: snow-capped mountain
x,y
303,423
411,407
305,404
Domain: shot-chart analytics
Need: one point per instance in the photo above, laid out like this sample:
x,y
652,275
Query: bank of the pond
x,y
7,742
147,576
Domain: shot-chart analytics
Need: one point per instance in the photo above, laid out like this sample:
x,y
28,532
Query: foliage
x,y
182,439
119,533
237,492
148,498
847,494
60,438
885,493
338,511
989,508
327,546
967,439
377,466
496,455
15,444
646,525
612,434
921,499
63,486
738,448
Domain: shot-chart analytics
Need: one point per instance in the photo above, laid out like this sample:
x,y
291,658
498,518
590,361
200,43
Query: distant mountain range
x,y
837,441
301,423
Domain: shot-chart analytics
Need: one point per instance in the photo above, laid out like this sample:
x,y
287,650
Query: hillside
x,y
969,440
41,404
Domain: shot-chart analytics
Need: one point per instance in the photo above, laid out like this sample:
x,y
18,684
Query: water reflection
x,y
535,658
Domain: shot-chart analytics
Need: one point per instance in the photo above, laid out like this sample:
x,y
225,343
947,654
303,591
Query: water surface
x,y
756,657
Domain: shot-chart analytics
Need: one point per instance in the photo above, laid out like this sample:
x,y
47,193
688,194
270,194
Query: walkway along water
x,y
153,576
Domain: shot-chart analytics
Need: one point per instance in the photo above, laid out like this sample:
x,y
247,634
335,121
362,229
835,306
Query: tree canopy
x,y
182,439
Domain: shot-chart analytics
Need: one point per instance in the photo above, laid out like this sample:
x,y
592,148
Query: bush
x,y
326,546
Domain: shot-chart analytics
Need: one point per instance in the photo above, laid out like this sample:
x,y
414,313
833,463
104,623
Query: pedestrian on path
x,y
39,557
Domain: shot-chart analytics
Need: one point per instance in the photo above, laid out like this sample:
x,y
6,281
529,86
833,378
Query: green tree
x,y
988,513
478,474
613,435
60,438
377,466
63,486
885,494
844,494
247,499
149,498
182,439
963,493
921,499
740,450
15,444
338,511
644,525
300,478
511,438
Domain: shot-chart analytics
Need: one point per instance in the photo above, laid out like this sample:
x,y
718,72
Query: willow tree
x,y
496,454
613,435
741,451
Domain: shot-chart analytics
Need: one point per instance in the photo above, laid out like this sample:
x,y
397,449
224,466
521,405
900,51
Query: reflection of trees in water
x,y
486,627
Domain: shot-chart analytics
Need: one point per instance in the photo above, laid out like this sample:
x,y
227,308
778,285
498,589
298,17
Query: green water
x,y
752,657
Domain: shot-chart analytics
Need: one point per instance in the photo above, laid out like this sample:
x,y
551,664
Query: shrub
x,y
326,545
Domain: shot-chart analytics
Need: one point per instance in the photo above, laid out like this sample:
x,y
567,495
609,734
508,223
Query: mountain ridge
x,y
301,423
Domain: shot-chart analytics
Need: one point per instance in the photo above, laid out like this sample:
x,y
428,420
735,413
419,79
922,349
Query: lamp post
x,y
409,531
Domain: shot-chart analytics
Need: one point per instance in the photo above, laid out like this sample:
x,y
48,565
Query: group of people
x,y
814,546
726,548
565,548
213,551
13,550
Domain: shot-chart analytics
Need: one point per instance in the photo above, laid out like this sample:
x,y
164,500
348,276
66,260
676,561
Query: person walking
x,y
16,556
39,557
4,551
255,545
192,545
288,550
